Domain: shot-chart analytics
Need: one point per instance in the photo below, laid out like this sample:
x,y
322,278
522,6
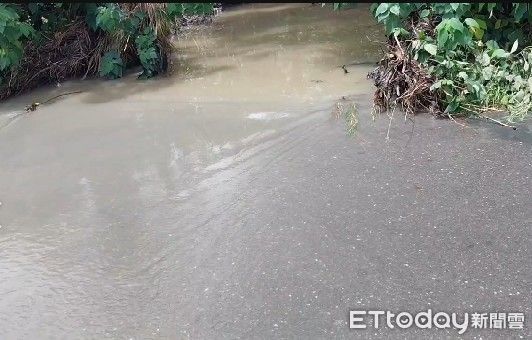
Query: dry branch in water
x,y
402,82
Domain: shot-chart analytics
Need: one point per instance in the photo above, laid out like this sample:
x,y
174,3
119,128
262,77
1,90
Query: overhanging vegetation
x,y
48,42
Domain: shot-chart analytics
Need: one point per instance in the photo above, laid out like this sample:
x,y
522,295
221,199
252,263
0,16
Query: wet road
x,y
226,201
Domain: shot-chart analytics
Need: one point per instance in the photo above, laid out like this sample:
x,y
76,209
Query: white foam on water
x,y
267,115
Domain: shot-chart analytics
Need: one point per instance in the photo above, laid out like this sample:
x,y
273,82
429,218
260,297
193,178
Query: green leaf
x,y
519,10
514,46
472,22
453,106
111,65
478,33
424,13
487,73
456,24
492,45
383,7
499,53
481,23
443,36
399,31
463,75
431,48
474,27
174,9
108,18
147,55
395,9
436,85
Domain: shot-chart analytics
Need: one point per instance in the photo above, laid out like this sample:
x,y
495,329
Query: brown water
x,y
100,191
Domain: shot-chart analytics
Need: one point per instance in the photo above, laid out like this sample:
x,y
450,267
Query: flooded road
x,y
225,200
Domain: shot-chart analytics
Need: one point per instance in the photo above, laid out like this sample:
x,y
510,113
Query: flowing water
x,y
202,203
96,186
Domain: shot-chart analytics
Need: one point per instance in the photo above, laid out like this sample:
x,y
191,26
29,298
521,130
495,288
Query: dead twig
x,y
497,121
33,106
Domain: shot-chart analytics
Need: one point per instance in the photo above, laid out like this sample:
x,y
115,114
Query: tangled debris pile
x,y
402,82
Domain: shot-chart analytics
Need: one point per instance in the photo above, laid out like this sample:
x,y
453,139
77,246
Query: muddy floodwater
x,y
226,200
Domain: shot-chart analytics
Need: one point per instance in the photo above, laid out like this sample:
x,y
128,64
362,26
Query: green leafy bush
x,y
13,33
139,26
111,65
148,53
477,54
112,37
109,17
